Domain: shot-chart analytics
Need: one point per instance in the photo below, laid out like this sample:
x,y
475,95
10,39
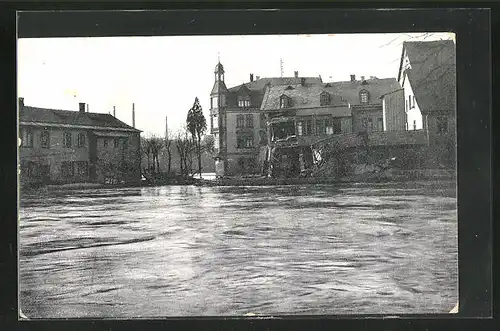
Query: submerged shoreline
x,y
381,177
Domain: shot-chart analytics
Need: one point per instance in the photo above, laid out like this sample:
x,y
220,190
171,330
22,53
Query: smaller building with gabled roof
x,y
427,74
63,146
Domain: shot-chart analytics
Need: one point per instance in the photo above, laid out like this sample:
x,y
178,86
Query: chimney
x,y
353,78
114,111
296,74
21,103
133,115
82,107
87,108
302,81
251,77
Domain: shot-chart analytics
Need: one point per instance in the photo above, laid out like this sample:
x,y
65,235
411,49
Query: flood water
x,y
204,251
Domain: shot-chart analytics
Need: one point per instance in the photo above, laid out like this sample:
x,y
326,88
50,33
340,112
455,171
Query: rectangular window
x,y
115,143
82,168
364,97
249,120
81,140
240,121
380,124
28,168
213,102
320,126
67,139
243,103
370,124
125,143
283,102
442,124
244,141
26,137
215,121
335,126
329,126
299,129
364,123
414,124
304,127
324,99
308,127
68,169
105,142
45,139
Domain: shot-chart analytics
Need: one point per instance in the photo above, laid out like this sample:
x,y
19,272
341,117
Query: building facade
x,y
302,115
61,146
427,74
237,123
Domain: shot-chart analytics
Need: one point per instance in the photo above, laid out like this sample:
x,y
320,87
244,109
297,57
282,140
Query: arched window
x,y
284,101
363,96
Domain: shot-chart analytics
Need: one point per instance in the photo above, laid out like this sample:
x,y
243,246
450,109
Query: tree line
x,y
190,142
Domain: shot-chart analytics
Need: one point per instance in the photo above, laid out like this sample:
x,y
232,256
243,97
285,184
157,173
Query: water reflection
x,y
188,250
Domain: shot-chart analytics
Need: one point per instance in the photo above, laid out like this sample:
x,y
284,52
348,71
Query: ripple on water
x,y
222,250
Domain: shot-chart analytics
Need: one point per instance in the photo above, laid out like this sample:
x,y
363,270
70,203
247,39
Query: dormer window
x,y
284,101
289,87
243,102
324,98
363,96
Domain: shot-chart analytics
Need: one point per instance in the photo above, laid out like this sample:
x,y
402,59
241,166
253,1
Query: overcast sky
x,y
163,75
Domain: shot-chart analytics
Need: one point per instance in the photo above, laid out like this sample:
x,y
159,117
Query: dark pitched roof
x,y
260,84
376,87
219,86
68,117
432,74
307,96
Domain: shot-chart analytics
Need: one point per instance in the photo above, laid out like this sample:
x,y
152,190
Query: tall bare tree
x,y
185,148
156,144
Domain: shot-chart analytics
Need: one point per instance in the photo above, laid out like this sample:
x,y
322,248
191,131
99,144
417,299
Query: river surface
x,y
205,251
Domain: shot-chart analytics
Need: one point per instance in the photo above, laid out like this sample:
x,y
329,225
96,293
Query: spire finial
x,y
218,57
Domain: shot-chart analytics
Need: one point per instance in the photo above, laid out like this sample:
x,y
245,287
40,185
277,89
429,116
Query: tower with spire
x,y
218,99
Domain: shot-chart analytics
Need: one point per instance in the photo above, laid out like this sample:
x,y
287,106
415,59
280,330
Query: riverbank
x,y
392,175
376,177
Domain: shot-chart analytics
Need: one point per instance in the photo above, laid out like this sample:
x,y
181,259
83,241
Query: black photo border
x,y
474,157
